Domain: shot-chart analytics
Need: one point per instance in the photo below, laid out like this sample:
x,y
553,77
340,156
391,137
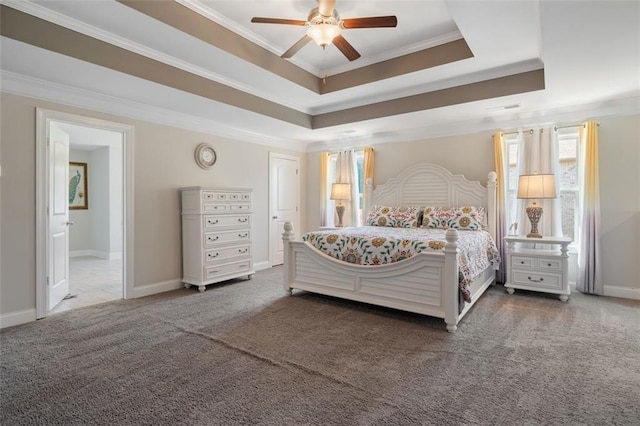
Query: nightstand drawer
x,y
551,265
538,280
521,262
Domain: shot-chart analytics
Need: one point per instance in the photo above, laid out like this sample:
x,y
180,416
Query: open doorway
x,y
84,212
95,216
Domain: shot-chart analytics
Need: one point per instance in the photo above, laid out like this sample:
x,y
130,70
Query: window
x,y
566,179
512,180
332,174
568,183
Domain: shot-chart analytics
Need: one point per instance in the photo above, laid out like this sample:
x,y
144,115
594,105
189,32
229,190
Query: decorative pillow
x,y
467,217
380,216
397,217
406,217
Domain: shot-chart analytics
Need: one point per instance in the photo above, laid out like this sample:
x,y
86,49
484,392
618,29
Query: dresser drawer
x,y
225,253
211,272
521,262
215,208
240,207
239,196
537,279
550,264
213,222
222,237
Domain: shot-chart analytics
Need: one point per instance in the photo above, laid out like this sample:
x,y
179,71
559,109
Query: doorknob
x,y
274,217
70,223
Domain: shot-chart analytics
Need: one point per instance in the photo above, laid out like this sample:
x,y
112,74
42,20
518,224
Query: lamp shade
x,y
341,191
536,186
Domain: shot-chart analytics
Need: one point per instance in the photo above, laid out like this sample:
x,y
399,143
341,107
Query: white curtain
x,y
347,172
539,154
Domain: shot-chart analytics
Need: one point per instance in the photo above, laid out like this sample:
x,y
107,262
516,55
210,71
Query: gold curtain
x,y
501,207
324,161
369,171
589,265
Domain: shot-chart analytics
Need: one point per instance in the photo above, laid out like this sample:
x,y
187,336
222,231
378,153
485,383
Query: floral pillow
x,y
397,217
380,216
467,217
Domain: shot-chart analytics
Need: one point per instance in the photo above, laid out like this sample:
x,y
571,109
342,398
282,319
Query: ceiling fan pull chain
x,y
324,69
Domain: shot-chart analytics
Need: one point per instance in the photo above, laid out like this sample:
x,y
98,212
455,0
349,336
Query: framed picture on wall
x,y
78,188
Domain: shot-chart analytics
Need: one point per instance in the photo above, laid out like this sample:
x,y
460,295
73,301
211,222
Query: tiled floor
x,y
93,280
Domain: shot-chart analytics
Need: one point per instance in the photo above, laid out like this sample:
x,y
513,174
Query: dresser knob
x,y
548,264
522,262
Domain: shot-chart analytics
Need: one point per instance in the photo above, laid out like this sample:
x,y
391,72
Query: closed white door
x,y
284,188
58,216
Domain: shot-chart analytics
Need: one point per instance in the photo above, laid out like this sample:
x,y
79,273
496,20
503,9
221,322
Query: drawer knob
x,y
245,235
242,251
548,264
242,219
212,222
214,238
214,255
522,262
535,281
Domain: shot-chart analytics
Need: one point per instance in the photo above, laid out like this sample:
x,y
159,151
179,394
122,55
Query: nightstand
x,y
541,268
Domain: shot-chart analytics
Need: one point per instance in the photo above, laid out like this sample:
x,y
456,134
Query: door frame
x,y
43,118
271,222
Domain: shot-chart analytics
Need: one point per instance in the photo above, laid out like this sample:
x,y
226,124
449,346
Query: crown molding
x,y
49,15
546,117
17,84
21,85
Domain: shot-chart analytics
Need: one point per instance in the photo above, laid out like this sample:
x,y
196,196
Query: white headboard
x,y
429,184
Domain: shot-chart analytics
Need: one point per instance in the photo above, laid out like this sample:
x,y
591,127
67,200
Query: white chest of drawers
x,y
216,235
540,268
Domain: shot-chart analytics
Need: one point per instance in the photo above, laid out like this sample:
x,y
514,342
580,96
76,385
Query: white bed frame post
x,y
289,264
451,316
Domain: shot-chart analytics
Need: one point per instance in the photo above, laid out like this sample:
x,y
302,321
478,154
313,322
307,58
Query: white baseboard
x,y
624,292
17,318
155,288
260,266
96,253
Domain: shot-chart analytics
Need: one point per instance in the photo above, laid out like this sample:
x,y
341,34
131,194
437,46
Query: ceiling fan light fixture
x,y
324,33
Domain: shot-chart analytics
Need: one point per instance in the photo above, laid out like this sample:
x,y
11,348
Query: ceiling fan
x,y
325,25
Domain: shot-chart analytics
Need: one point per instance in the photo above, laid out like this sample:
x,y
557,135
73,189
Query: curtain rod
x,y
572,125
515,133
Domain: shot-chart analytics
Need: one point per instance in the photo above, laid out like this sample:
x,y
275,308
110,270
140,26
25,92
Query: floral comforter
x,y
377,245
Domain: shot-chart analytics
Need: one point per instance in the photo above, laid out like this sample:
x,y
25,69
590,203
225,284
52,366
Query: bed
x,y
425,283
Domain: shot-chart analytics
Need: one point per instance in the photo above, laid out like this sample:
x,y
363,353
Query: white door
x,y
58,216
284,189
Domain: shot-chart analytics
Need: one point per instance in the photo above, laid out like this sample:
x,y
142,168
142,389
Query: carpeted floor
x,y
244,353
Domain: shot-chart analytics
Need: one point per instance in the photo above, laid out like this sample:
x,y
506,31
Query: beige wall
x,y
163,162
472,156
619,143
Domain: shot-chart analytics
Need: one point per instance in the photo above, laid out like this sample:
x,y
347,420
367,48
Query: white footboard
x,y
426,283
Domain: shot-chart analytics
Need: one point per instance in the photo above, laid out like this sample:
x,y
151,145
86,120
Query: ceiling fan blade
x,y
374,22
325,7
278,21
297,46
346,48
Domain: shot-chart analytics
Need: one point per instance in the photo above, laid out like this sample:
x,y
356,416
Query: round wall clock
x,y
205,156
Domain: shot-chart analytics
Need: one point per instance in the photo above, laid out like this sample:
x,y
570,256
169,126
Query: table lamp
x,y
536,187
340,192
